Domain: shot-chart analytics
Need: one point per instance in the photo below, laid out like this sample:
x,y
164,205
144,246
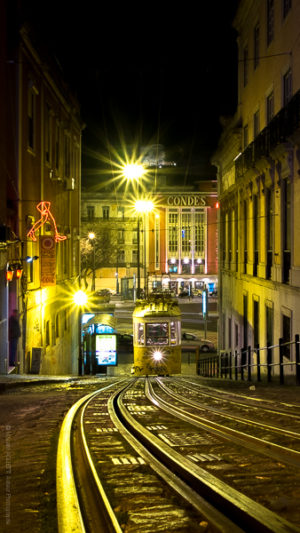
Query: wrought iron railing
x,y
249,363
284,124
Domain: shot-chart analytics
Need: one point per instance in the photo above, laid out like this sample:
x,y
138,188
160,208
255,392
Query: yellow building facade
x,y
259,188
43,217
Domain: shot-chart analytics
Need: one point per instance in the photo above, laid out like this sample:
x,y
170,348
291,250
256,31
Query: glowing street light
x,y
133,171
80,298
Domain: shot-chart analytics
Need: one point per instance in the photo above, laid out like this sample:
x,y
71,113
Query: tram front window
x,y
157,334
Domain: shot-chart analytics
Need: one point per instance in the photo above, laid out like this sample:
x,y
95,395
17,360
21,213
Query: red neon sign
x,y
44,209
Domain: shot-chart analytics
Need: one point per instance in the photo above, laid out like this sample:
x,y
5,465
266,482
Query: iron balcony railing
x,y
280,128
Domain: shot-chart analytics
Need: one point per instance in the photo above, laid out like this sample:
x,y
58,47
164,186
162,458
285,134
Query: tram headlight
x,y
157,356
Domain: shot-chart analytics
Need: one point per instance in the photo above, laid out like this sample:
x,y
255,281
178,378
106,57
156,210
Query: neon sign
x,y
44,209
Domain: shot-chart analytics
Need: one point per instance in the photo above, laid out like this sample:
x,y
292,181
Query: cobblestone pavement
x,y
30,420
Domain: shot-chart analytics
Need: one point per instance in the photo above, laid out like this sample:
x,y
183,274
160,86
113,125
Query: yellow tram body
x,y
157,336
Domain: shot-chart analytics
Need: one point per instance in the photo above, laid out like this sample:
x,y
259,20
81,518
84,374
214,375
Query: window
x,y
120,212
157,243
255,232
199,223
173,231
286,335
245,66
256,123
157,333
57,146
31,110
286,6
287,87
245,208
90,212
105,212
57,325
134,256
47,134
121,256
269,230
141,333
255,322
286,229
135,236
186,232
246,136
67,156
270,107
120,236
245,320
47,333
256,46
270,21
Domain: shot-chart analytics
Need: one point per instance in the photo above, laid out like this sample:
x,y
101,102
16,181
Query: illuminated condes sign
x,y
186,200
46,215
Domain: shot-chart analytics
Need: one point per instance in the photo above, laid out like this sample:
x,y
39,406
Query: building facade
x,y
174,246
259,188
40,223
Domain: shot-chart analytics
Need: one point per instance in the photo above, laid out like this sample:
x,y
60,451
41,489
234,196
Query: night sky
x,y
146,73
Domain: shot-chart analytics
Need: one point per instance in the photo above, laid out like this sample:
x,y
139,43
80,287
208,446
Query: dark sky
x,y
148,72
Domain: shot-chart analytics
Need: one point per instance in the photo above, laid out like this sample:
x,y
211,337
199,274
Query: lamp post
x,y
145,207
80,299
92,238
133,172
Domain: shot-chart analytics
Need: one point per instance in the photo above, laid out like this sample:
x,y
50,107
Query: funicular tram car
x,y
157,336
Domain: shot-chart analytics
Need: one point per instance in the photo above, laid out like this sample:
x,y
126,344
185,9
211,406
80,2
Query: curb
x,y
7,385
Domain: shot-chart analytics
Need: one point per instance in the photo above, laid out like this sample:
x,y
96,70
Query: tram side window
x,y
173,336
157,333
140,334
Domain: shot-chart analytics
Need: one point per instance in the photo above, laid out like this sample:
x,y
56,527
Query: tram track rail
x,y
270,449
83,472
74,508
239,400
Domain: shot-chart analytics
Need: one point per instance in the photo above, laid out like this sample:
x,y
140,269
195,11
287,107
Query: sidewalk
x,y
10,381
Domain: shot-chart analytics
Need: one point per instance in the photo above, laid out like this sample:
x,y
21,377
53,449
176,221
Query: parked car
x,y
204,344
103,295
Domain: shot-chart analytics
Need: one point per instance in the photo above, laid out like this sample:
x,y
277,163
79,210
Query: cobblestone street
x,y
30,420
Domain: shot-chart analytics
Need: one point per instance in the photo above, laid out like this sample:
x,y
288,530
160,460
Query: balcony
x,y
284,124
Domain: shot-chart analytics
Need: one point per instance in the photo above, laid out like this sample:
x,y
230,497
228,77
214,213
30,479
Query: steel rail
x,y
128,428
246,421
280,453
69,511
245,513
241,403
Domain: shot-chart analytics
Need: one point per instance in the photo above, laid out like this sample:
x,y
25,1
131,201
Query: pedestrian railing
x,y
278,361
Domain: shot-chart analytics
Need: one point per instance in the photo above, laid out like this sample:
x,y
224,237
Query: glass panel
x,y
140,334
173,330
157,334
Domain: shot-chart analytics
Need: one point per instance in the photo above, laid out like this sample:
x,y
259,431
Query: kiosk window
x,y
157,334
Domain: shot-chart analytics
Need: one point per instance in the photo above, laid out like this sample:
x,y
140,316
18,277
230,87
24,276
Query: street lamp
x,y
133,171
92,238
80,299
145,207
